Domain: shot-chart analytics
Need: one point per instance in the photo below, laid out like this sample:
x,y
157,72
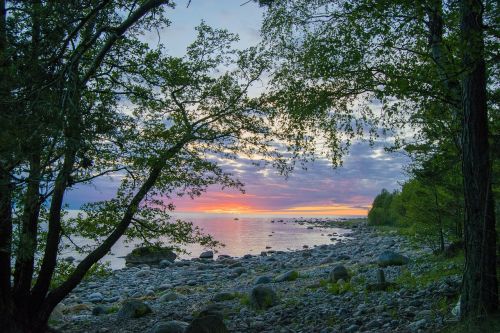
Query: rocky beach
x,y
367,281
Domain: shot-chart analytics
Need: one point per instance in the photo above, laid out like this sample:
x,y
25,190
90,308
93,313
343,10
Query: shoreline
x,y
307,299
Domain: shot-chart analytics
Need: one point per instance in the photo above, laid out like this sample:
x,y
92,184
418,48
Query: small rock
x,y
96,297
390,258
133,308
288,276
262,280
168,297
173,326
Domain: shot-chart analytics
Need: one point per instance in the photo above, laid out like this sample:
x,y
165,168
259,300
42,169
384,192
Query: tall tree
x,y
399,61
480,284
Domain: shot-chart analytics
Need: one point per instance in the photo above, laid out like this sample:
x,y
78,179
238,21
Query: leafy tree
x,y
88,99
337,57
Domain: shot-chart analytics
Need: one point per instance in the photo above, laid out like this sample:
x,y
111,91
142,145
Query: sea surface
x,y
243,235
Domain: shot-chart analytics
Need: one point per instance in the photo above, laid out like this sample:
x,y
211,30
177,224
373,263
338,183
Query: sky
x,y
318,191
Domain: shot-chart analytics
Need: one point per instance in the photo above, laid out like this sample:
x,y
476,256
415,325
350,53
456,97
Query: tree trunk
x,y
480,289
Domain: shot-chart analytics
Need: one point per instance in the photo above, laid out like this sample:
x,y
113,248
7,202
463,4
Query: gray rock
x,y
207,255
133,308
96,297
168,297
223,296
390,258
99,310
339,272
207,324
416,325
173,326
238,271
149,255
262,297
262,280
165,263
288,276
352,329
343,257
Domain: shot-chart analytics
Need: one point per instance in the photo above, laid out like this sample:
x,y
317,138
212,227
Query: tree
x,y
338,57
89,99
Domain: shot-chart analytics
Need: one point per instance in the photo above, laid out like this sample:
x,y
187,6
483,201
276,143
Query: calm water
x,y
248,235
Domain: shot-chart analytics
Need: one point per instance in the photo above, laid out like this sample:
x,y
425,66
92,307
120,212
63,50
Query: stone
x,y
149,255
69,259
288,276
207,324
168,297
96,297
58,313
223,296
417,325
165,263
207,255
99,310
390,258
343,257
339,272
262,280
352,329
133,308
173,326
238,271
263,297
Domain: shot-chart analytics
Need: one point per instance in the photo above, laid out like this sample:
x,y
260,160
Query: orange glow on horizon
x,y
241,208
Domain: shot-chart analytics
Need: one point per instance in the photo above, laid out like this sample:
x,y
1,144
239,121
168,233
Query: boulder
x,y
288,276
150,255
133,308
207,324
262,280
339,272
390,258
96,297
99,310
168,297
207,255
262,297
173,326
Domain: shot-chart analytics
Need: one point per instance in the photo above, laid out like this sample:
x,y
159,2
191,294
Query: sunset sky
x,y
317,191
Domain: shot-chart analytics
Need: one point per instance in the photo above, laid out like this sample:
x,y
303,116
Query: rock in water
x,y
149,255
133,308
207,255
389,258
288,276
262,297
339,272
207,324
173,326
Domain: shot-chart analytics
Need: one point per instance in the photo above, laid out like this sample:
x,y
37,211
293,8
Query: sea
x,y
243,235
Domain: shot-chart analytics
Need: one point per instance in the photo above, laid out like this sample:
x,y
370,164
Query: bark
x,y
6,306
480,288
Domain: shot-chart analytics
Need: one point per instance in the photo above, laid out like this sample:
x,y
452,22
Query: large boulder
x,y
207,255
133,308
150,255
263,279
263,297
339,272
390,258
207,324
173,326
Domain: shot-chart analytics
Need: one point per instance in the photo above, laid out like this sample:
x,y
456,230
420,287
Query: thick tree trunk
x,y
480,288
